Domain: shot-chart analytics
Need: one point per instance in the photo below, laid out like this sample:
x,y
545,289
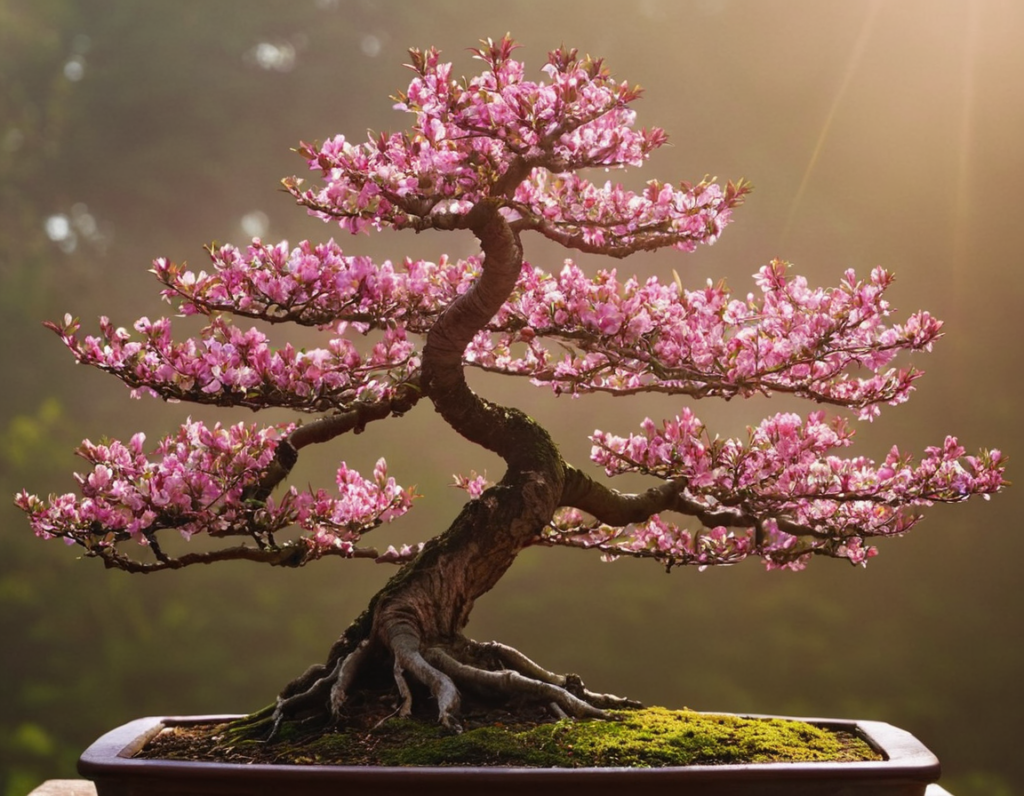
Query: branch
x,y
226,366
610,507
326,428
784,492
616,222
625,338
208,481
290,555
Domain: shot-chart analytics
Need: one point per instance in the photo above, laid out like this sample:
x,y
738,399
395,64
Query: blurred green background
x,y
884,132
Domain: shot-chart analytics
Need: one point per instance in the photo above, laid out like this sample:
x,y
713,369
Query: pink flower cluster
x,y
317,285
580,119
473,483
517,144
621,337
611,219
611,336
633,337
228,366
338,523
656,538
500,136
200,480
784,485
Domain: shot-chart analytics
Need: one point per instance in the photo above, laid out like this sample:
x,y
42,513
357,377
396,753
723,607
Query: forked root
x,y
512,684
345,675
492,671
409,658
511,658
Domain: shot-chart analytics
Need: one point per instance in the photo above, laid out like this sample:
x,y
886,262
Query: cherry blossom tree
x,y
499,156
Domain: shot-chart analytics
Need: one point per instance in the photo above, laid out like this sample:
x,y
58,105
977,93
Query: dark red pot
x,y
907,770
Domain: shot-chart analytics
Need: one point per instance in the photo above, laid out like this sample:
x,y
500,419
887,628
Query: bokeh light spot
x,y
370,45
273,57
255,224
58,227
74,69
67,229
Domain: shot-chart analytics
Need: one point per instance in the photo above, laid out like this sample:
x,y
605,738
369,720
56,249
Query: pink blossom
x,y
783,493
198,481
473,484
786,470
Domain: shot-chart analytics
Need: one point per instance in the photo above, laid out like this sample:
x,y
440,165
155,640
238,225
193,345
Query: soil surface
x,y
646,738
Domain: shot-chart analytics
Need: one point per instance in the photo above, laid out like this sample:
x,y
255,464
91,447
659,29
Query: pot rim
x,y
905,758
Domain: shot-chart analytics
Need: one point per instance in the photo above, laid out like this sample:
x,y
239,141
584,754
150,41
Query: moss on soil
x,y
651,737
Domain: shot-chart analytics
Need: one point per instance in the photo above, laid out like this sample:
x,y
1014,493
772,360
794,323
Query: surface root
x,y
489,673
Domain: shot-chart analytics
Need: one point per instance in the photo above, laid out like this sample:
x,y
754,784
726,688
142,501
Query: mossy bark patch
x,y
651,737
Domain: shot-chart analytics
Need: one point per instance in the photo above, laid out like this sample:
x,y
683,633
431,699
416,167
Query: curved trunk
x,y
434,595
418,617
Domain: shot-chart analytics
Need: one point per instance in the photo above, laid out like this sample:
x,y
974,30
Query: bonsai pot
x,y
906,770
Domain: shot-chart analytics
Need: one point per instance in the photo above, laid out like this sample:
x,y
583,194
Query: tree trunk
x,y
415,624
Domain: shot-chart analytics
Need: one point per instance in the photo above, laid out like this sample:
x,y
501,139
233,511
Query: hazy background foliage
x,y
881,132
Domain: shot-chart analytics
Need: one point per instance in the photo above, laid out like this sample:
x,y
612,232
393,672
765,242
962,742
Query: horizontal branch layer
x,y
783,491
212,482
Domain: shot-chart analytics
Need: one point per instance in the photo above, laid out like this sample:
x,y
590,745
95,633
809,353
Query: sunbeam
x,y
851,68
965,143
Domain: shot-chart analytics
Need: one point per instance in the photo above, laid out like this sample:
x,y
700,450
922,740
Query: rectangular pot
x,y
907,770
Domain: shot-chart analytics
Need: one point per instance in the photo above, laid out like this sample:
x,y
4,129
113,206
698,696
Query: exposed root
x,y
512,684
406,647
487,673
347,669
404,691
512,658
556,711
294,706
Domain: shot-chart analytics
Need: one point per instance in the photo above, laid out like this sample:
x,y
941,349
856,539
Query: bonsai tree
x,y
500,157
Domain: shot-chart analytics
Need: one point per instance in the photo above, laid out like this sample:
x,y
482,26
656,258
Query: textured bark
x,y
432,597
417,619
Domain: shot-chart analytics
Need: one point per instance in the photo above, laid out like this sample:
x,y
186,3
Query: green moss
x,y
652,737
660,737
